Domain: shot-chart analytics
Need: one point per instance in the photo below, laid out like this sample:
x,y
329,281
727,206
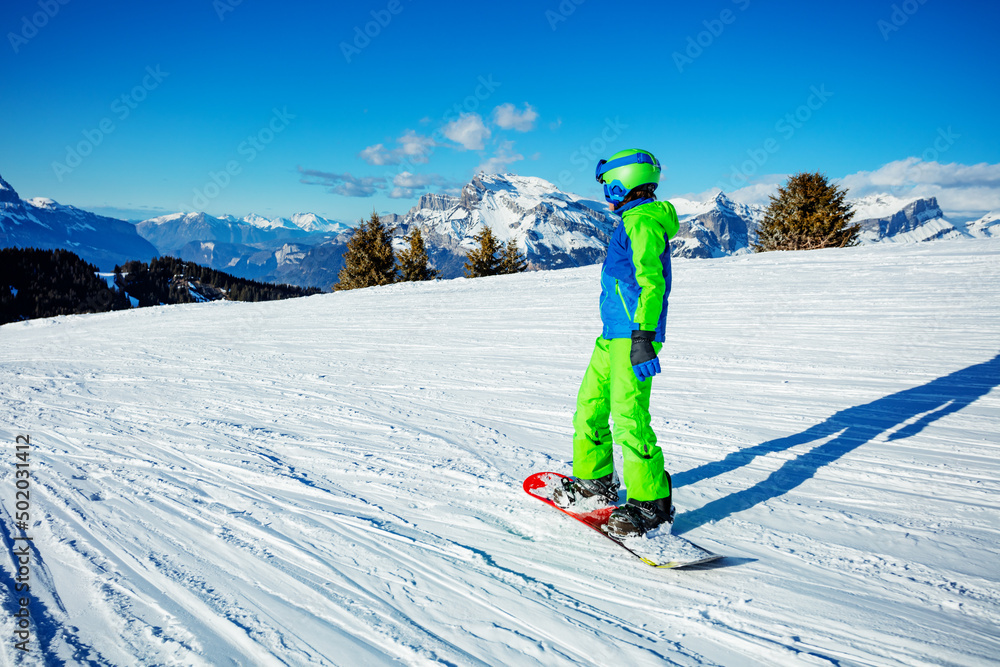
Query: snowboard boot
x,y
637,517
573,490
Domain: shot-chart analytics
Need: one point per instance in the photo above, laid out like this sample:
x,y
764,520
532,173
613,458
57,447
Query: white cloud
x,y
501,160
469,131
413,147
509,118
408,185
343,184
406,179
353,189
404,185
378,155
402,193
757,192
416,146
760,190
914,171
961,190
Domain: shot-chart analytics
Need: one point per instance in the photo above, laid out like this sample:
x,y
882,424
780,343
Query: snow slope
x,y
986,226
336,479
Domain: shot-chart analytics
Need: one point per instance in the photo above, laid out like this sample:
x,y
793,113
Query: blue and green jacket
x,y
635,278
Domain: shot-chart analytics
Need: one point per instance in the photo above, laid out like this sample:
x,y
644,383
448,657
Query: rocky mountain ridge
x,y
554,229
45,224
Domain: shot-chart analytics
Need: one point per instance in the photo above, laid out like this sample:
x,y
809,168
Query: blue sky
x,y
247,106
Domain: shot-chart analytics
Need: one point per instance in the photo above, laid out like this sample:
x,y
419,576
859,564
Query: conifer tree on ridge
x,y
413,262
486,259
808,213
369,259
512,260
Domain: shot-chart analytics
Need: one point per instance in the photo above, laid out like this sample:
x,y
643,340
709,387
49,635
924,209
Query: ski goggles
x,y
615,191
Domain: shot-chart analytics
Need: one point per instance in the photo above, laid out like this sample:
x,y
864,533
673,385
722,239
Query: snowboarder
x,y
635,284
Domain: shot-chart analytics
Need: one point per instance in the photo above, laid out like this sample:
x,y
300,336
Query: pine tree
x,y
512,260
369,259
486,259
413,263
809,212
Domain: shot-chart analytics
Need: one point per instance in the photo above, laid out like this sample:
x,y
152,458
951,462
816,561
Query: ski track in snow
x,y
337,479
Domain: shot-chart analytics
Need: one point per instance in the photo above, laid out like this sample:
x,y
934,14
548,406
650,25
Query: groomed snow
x,y
337,479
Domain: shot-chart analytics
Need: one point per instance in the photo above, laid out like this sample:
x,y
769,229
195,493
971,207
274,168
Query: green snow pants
x,y
611,390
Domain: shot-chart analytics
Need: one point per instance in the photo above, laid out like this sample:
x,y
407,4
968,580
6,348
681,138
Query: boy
x,y
635,284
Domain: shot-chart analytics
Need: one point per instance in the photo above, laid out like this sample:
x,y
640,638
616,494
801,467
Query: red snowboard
x,y
658,550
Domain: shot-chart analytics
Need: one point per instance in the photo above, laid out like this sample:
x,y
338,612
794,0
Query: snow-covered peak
x,y
880,205
687,208
310,222
179,218
43,202
47,204
7,194
720,202
554,228
299,222
988,225
260,222
41,222
525,186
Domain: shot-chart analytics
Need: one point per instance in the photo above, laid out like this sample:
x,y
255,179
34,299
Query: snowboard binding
x,y
572,490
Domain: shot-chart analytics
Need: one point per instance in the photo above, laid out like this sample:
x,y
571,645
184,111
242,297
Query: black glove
x,y
645,364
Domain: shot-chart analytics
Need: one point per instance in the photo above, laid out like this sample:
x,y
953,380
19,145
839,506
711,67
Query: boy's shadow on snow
x,y
855,426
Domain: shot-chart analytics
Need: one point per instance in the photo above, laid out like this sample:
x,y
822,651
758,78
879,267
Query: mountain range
x,y
554,229
43,223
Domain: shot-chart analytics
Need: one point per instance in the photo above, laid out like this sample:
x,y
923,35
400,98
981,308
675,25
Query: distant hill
x,y
45,283
43,223
167,280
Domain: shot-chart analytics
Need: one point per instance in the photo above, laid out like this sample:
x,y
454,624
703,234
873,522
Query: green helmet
x,y
625,171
